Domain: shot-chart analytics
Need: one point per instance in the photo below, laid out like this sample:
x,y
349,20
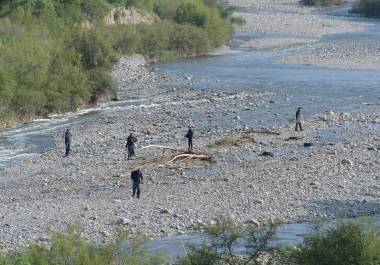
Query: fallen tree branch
x,y
184,155
263,131
188,157
163,147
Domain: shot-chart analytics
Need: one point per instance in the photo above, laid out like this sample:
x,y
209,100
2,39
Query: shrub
x,y
369,8
190,13
68,248
348,243
224,239
147,5
187,40
50,62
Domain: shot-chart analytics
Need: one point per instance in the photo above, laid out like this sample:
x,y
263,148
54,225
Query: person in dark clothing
x,y
298,119
189,137
131,145
68,137
137,178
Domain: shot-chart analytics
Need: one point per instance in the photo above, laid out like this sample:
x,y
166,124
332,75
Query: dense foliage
x,y
369,8
229,244
225,244
69,249
51,62
347,243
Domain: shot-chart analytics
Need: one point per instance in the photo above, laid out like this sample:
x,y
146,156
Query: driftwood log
x,y
184,154
263,131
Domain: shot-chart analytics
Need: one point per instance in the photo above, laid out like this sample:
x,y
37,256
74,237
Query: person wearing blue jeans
x,y
68,137
137,178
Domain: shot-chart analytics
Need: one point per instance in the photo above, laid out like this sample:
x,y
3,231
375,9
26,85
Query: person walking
x,y
67,137
189,137
298,119
137,178
131,145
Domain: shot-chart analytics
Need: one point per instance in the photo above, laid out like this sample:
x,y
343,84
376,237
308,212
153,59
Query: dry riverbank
x,y
286,23
337,176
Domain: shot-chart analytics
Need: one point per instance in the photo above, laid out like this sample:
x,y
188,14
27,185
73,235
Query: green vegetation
x,y
321,3
225,244
348,243
234,140
225,240
69,249
227,141
50,62
369,8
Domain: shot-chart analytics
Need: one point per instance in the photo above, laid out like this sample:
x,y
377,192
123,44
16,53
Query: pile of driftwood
x,y
179,154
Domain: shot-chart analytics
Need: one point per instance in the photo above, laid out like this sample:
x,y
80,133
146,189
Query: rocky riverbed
x,y
351,54
335,174
256,174
286,23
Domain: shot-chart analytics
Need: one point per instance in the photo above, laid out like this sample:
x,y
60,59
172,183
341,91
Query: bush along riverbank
x,y
368,8
225,244
56,56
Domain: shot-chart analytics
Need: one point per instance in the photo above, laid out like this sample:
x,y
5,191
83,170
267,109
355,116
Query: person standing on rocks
x,y
137,178
68,137
189,137
131,145
298,119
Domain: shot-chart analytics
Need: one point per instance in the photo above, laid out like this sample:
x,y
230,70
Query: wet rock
x,y
293,138
252,221
123,221
346,162
314,183
105,233
165,211
267,153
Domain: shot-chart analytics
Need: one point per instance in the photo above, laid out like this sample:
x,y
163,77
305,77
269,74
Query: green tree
x,y
225,238
347,243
